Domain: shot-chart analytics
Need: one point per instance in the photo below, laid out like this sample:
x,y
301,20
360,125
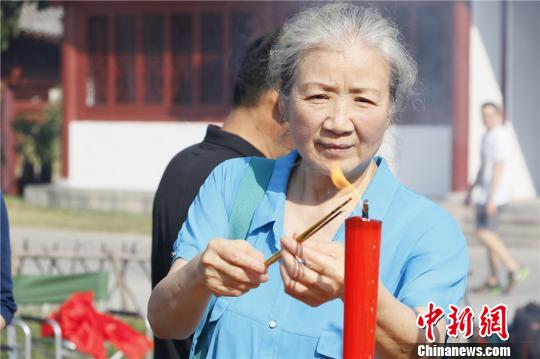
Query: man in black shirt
x,y
253,128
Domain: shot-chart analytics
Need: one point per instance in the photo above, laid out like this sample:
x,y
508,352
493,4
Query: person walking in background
x,y
493,182
8,306
253,128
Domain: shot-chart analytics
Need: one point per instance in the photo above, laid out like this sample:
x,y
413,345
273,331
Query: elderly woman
x,y
341,73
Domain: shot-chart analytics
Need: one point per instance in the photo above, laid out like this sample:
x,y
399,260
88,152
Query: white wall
x,y
523,85
420,157
122,155
131,156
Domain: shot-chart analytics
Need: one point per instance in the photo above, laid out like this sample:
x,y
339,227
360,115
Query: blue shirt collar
x,y
272,205
379,193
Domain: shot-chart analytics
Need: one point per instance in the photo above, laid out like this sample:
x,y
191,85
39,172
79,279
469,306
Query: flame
x,y
340,181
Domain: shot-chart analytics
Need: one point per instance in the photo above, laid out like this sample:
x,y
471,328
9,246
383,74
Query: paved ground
x,y
527,291
140,284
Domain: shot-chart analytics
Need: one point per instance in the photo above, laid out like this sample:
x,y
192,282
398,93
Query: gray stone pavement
x,y
525,292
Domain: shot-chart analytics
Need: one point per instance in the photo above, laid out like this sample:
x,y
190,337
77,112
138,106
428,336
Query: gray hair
x,y
341,24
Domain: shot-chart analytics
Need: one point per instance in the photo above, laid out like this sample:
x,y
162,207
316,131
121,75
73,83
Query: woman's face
x,y
338,109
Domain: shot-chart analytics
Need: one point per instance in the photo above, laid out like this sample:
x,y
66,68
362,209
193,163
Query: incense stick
x,y
365,209
310,231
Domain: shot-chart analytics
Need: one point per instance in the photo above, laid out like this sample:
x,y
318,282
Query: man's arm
x,y
495,182
476,182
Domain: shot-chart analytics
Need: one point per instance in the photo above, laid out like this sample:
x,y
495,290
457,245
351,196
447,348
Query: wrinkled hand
x,y
232,267
321,277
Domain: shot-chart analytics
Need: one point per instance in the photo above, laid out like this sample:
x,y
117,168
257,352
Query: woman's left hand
x,y
320,277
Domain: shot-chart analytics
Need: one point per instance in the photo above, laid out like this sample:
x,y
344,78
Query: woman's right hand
x,y
232,267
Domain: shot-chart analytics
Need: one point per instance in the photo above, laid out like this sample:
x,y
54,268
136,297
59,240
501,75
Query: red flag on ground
x,y
88,329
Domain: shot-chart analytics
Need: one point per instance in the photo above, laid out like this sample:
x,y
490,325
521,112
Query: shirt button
x,y
272,324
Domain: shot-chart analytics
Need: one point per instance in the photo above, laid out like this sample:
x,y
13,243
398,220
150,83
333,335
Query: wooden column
x,y
70,89
460,98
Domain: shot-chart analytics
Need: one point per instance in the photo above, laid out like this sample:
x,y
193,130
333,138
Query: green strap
x,y
250,193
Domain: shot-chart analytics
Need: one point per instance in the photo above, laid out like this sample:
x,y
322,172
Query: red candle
x,y
362,250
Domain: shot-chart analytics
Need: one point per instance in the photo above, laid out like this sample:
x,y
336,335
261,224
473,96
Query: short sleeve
x,y
208,215
437,269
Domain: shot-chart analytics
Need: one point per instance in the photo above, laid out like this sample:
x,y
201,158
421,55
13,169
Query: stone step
x,y
519,224
511,242
510,213
532,233
509,217
505,217
62,196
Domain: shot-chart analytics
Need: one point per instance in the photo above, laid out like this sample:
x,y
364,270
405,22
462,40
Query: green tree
x,y
9,16
38,142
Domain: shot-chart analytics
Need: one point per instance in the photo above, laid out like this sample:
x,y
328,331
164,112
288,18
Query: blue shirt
x,y
423,258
